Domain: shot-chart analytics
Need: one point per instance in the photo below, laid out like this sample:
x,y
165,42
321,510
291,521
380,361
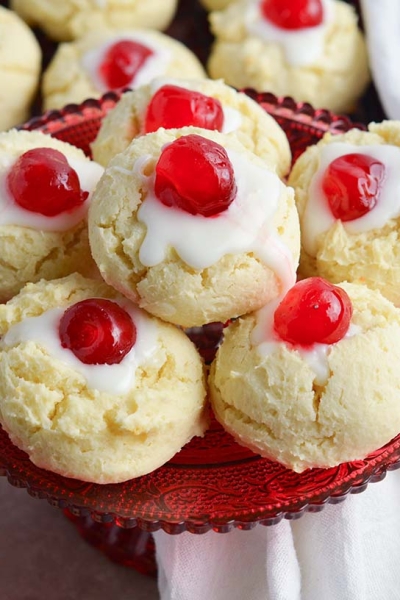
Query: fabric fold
x,y
349,551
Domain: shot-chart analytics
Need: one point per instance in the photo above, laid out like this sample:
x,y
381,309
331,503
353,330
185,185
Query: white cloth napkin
x,y
382,28
349,551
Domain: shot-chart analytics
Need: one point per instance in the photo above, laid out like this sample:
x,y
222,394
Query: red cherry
x,y
97,331
313,311
195,175
352,184
42,181
121,63
173,107
293,14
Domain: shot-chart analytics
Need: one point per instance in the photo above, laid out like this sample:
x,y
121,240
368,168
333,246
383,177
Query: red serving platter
x,y
213,483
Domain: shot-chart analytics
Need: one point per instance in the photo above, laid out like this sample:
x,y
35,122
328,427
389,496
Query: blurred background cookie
x,y
347,190
92,387
194,227
64,20
313,380
20,65
109,59
45,189
216,4
316,54
173,103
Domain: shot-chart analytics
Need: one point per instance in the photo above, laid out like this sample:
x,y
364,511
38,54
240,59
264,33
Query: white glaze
x,y
155,65
232,117
318,218
89,172
268,342
302,47
246,226
111,379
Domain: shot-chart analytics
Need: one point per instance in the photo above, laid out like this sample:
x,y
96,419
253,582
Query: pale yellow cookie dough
x,y
67,79
65,20
273,405
29,254
171,289
72,428
334,81
255,128
371,257
20,64
216,4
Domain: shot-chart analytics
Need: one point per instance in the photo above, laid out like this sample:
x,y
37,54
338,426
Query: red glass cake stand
x,y
213,483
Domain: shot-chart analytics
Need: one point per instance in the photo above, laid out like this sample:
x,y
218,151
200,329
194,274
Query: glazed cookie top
x,y
348,197
45,190
45,183
193,226
300,33
307,390
20,64
174,103
108,393
70,19
114,59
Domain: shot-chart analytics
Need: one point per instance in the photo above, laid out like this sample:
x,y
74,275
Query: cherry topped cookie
x,y
347,190
194,227
173,103
311,50
45,191
110,59
312,379
93,388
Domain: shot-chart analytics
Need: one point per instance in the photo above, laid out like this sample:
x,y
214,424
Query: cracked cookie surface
x,y
173,288
273,405
66,424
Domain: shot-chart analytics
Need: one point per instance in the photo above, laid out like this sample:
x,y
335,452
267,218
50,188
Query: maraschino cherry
x,y
352,184
313,311
293,14
195,174
173,107
121,63
97,331
42,181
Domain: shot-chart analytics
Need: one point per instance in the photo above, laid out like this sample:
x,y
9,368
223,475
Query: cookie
x,y
44,200
216,4
313,404
105,422
20,64
320,58
167,102
68,20
193,227
347,192
107,59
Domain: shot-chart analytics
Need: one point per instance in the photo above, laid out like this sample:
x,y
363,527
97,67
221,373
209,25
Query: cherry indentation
x,y
121,62
352,185
313,311
293,14
174,107
195,174
42,181
97,331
